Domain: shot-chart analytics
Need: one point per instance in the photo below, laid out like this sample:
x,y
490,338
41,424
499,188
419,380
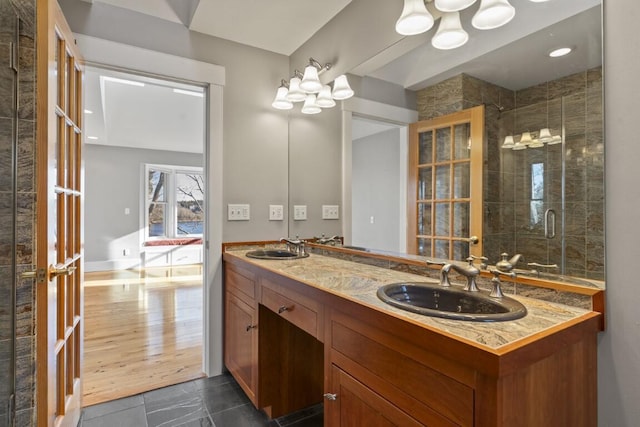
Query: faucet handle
x,y
496,291
484,260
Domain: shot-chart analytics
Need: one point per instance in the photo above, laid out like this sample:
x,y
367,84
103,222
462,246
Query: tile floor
x,y
213,402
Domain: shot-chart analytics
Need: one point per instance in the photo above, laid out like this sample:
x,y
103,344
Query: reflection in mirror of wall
x,y
544,202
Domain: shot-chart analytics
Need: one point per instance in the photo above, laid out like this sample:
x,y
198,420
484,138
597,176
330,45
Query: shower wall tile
x,y
25,373
6,82
568,86
26,153
25,304
532,95
575,218
6,182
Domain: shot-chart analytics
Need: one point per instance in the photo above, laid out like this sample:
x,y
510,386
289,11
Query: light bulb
x,y
310,82
341,88
295,93
493,14
281,102
310,106
450,34
415,18
324,98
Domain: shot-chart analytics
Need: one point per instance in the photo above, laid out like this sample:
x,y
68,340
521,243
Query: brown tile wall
x,y
23,209
507,225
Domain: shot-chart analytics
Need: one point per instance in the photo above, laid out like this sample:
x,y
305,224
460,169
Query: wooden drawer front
x,y
241,282
291,309
444,395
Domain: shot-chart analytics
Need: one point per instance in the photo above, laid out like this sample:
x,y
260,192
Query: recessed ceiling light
x,y
92,137
189,92
123,81
88,112
560,52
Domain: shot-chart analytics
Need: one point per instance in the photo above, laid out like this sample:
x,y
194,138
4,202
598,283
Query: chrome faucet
x,y
295,245
506,265
327,240
470,271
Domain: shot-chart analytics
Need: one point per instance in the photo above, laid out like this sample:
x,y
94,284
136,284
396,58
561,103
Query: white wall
x,y
113,182
375,191
255,135
619,346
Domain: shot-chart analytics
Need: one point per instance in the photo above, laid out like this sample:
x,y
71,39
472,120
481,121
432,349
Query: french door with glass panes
x,y
445,185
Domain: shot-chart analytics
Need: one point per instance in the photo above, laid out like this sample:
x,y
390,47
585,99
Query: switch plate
x,y
299,212
238,212
330,212
276,212
127,211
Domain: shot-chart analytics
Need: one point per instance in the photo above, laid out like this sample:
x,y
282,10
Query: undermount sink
x,y
274,254
450,303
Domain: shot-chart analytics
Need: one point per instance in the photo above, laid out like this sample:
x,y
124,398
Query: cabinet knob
x,y
282,309
330,396
250,327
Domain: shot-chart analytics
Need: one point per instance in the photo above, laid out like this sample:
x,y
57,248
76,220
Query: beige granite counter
x,y
359,282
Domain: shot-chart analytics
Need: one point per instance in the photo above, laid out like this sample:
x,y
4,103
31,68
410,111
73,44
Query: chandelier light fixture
x,y
307,87
417,18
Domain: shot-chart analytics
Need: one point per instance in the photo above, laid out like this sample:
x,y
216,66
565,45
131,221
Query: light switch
x,y
299,212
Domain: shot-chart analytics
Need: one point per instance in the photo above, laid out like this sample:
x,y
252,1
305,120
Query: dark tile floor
x,y
216,401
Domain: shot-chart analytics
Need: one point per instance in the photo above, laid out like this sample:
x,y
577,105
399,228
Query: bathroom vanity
x,y
303,331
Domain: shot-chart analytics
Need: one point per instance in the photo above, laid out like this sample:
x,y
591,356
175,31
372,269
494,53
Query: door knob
x,y
330,396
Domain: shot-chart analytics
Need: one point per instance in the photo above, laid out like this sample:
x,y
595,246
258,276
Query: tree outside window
x,y
175,202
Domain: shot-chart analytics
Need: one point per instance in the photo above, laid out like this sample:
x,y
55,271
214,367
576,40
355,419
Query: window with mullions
x,y
174,202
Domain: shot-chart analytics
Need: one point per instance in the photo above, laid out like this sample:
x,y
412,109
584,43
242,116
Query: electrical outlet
x,y
276,213
126,252
238,212
330,212
300,212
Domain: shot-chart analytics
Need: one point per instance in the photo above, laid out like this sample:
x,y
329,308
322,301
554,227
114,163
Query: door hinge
x,y
13,56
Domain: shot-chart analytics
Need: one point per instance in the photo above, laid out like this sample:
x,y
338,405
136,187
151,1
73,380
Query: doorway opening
x,y
144,225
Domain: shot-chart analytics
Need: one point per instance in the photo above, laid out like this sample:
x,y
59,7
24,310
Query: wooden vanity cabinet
x,y
241,328
376,368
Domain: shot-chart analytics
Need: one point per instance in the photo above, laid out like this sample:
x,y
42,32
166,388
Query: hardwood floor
x,y
143,330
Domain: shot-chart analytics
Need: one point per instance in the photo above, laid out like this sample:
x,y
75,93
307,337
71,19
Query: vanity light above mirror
x,y
307,87
418,17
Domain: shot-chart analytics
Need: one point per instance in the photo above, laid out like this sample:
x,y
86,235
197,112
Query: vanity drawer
x,y
294,307
241,282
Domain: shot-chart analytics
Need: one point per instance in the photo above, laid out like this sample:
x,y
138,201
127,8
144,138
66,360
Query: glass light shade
x,y
415,18
526,138
324,98
281,102
341,88
310,82
536,143
310,106
556,139
295,93
493,14
519,146
450,34
545,135
508,142
453,5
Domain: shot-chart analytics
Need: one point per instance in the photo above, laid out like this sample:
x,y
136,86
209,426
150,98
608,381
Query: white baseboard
x,y
113,264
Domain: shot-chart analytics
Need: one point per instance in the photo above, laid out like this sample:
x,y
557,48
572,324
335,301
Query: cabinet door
x,y
356,405
241,344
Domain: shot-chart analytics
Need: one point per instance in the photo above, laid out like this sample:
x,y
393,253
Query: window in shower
x,y
536,204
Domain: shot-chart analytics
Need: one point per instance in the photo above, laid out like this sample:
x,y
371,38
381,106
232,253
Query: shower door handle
x,y
550,224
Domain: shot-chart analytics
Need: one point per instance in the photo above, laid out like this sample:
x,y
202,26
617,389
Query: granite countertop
x,y
359,282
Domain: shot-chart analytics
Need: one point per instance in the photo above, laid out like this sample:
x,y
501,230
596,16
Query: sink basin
x,y
274,254
450,302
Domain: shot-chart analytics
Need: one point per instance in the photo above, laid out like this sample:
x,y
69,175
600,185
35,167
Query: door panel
x,y
60,208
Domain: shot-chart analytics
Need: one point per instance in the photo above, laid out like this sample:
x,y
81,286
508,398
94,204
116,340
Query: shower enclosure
x,y
8,206
550,183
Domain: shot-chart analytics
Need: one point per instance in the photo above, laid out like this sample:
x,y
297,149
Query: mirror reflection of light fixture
x,y
450,33
526,139
556,139
415,18
535,143
300,87
508,142
519,146
545,135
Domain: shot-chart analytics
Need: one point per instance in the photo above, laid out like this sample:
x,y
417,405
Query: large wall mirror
x,y
545,201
